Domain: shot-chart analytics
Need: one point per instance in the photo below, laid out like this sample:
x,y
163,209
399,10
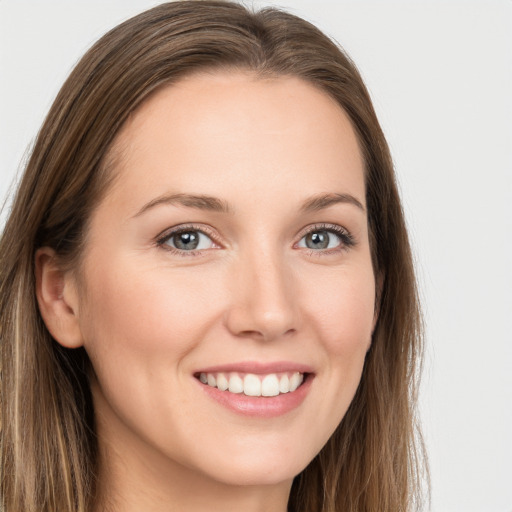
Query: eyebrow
x,y
214,204
322,201
200,202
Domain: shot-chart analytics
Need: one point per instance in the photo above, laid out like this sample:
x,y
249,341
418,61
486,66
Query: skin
x,y
150,317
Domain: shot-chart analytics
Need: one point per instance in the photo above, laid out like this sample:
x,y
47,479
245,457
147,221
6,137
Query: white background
x,y
440,74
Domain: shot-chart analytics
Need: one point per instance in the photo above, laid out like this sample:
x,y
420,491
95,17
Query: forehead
x,y
211,130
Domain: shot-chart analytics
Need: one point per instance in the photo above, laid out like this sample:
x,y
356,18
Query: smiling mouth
x,y
250,384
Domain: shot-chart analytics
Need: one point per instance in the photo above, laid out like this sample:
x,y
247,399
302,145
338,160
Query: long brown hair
x,y
49,451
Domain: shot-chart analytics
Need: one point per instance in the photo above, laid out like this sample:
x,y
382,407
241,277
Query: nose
x,y
263,302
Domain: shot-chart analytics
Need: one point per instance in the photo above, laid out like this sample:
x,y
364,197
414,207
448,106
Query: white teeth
x,y
222,382
284,384
270,385
295,381
236,384
251,384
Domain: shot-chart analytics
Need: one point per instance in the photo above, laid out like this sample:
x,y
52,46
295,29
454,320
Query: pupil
x,y
317,240
187,240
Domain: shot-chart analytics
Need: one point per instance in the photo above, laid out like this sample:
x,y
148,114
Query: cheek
x,y
144,314
344,311
343,315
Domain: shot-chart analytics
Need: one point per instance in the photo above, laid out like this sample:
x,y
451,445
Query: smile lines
x,y
250,384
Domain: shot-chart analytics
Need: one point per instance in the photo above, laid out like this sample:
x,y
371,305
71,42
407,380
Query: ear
x,y
57,298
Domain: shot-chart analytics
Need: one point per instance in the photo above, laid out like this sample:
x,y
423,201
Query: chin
x,y
258,470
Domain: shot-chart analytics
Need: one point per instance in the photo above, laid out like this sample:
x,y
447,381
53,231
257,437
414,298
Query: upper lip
x,y
258,368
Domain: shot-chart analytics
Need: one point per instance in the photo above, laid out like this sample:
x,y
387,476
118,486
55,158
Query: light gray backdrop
x,y
440,74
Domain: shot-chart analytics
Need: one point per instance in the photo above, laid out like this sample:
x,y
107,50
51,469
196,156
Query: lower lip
x,y
260,406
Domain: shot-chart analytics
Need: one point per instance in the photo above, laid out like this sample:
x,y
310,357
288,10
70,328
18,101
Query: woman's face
x,y
231,251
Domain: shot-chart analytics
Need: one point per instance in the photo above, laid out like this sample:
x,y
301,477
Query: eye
x,y
187,240
320,240
325,239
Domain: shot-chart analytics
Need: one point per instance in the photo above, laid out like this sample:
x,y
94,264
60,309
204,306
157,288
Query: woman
x,y
207,294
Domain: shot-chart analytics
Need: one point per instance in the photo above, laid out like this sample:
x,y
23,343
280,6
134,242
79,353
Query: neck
x,y
126,487
133,476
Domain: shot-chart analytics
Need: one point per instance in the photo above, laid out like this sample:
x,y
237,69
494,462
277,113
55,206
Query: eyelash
x,y
167,235
347,240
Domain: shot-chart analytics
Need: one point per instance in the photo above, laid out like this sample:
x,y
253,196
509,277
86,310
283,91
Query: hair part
x,y
49,451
